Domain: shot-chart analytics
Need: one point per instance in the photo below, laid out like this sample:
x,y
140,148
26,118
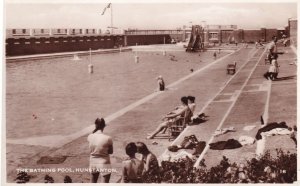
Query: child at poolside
x,y
215,55
161,83
274,69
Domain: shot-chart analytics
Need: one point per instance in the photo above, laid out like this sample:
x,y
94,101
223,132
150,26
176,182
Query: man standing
x,y
161,83
272,50
101,146
272,57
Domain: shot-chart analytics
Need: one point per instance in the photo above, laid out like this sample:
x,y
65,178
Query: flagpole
x,y
111,18
90,56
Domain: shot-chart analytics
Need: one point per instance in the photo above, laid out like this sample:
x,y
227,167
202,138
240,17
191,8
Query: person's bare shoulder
x,y
126,162
109,138
89,137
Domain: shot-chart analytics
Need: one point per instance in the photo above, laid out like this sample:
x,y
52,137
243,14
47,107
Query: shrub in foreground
x,y
267,169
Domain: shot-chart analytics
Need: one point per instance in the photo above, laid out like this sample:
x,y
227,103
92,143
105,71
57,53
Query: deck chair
x,y
231,68
178,124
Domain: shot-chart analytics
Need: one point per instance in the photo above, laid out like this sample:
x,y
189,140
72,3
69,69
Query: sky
x,y
87,14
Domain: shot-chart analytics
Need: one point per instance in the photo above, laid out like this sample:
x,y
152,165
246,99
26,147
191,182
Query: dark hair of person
x,y
191,98
184,100
99,124
283,123
131,149
67,179
142,148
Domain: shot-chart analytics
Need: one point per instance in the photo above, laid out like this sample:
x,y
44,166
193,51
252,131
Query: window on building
x,y
58,30
213,35
24,31
42,31
93,31
73,31
66,30
80,31
14,31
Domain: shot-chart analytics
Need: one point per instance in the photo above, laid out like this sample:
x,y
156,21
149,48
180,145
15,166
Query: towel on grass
x,y
229,144
246,140
269,127
224,131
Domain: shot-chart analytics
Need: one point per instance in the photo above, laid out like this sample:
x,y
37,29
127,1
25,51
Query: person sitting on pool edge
x,y
179,112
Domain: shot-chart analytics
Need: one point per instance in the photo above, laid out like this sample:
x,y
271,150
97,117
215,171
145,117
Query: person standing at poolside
x,y
215,55
101,146
273,69
272,57
161,83
272,49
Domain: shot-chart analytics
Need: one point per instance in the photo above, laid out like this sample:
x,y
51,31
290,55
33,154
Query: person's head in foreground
x,y
99,124
184,100
191,99
142,148
131,149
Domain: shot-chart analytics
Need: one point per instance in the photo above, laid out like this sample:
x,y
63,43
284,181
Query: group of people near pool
x,y
101,147
186,110
272,57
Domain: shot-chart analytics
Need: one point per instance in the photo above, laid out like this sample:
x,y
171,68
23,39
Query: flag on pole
x,y
108,6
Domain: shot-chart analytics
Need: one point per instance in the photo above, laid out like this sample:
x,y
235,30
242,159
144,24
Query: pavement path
x,y
274,100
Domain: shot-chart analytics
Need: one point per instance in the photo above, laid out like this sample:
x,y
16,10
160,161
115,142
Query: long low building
x,y
56,44
36,41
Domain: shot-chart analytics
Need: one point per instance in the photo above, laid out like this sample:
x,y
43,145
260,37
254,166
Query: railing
x,y
153,32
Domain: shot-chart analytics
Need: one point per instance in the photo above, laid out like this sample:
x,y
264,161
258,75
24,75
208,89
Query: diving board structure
x,y
196,41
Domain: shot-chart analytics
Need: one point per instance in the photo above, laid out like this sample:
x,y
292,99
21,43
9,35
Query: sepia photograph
x,y
173,91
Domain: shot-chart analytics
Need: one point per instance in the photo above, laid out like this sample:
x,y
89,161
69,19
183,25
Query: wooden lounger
x,y
231,68
178,124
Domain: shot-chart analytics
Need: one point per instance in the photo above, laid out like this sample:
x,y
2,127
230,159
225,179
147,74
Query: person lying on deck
x,y
178,112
